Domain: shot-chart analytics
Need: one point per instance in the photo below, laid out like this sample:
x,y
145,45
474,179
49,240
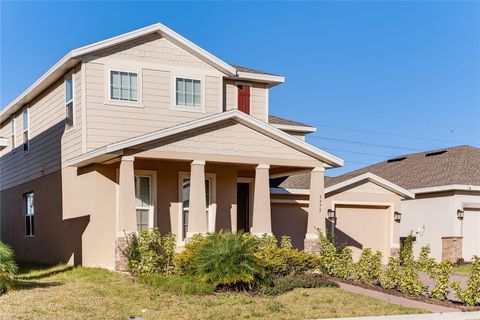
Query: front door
x,y
243,205
244,98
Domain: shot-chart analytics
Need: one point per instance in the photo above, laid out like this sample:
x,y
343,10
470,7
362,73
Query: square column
x,y
262,219
197,216
316,209
126,214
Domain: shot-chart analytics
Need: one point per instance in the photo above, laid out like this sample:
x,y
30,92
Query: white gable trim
x,y
374,179
451,187
249,121
293,128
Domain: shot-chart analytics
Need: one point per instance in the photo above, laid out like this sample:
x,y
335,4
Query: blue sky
x,y
378,79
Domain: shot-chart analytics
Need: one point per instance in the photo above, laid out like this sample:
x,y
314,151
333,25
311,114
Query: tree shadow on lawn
x,y
29,272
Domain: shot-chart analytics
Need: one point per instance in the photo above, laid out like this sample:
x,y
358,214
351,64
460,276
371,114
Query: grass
x,y
462,269
62,292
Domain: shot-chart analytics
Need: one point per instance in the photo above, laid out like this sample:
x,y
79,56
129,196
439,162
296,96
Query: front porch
x,y
197,196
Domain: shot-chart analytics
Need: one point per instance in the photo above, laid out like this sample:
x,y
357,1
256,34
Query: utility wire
x,y
365,143
361,153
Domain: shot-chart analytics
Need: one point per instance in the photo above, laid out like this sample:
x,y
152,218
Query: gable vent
x,y
396,159
436,153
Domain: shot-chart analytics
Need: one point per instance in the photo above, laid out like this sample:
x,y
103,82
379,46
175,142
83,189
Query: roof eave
x,y
286,127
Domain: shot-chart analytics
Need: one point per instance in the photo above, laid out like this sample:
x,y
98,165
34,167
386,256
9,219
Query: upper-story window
x,y
29,214
69,102
188,92
123,86
12,132
26,129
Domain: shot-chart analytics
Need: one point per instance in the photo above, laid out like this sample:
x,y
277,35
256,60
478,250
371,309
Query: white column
x,y
197,216
316,209
262,219
127,218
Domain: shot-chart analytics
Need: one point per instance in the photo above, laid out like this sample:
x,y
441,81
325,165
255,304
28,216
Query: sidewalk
x,y
396,299
428,316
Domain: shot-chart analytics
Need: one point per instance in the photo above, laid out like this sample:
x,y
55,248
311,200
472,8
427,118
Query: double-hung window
x,y
26,129
29,214
143,203
123,86
186,205
69,102
12,132
188,92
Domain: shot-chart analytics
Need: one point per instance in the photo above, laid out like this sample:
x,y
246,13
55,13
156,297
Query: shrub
x,y
184,261
287,283
406,251
440,273
328,256
150,252
284,260
345,266
8,268
424,262
228,260
177,284
391,277
409,282
369,267
471,294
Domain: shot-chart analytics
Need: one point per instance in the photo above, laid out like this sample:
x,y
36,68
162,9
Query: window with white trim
x,y
143,203
69,102
26,129
123,86
12,132
29,214
186,204
188,92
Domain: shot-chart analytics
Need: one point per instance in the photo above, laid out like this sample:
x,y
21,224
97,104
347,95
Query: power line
x,y
361,153
365,143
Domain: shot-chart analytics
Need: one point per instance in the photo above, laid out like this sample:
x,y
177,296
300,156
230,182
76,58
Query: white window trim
x,y
211,208
70,75
13,131
152,216
123,103
174,106
27,110
26,213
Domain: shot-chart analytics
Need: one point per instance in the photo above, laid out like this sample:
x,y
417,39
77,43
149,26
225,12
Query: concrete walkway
x,y
428,316
462,278
396,299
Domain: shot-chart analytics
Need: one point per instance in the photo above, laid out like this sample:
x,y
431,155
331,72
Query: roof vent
x,y
436,153
396,159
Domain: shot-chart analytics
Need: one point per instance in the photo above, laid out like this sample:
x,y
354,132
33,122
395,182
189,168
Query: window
x,y
188,92
29,215
143,203
186,205
69,102
26,127
123,86
12,132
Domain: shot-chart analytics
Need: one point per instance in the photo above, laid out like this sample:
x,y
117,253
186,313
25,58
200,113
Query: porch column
x,y
316,209
197,216
262,219
126,215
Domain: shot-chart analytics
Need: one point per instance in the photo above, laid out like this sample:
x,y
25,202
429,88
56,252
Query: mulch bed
x,y
422,298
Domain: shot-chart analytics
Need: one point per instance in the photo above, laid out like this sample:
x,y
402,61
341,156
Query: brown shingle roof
x,y
245,69
278,120
457,165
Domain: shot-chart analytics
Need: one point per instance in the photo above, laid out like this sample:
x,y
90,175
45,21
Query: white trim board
x,y
116,148
295,128
451,187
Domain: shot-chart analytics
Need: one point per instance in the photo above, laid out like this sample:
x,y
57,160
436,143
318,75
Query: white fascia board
x,y
286,127
374,179
451,187
3,142
239,116
260,77
304,192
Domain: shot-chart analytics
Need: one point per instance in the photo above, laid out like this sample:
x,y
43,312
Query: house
x,y
144,130
445,212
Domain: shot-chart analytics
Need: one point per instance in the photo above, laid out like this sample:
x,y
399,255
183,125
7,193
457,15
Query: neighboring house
x,y
145,130
446,184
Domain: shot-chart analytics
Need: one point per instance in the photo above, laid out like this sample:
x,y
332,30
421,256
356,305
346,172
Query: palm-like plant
x,y
229,260
8,267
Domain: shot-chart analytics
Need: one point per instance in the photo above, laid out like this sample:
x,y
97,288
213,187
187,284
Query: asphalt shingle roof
x,y
455,165
245,69
277,120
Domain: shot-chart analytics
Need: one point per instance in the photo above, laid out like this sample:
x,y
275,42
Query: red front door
x,y
244,98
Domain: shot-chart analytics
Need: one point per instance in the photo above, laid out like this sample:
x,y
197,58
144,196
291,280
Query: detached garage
x,y
361,210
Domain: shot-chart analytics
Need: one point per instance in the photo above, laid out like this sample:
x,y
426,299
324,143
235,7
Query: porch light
x,y
331,214
460,214
397,216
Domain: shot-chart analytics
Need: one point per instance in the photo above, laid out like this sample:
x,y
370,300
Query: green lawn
x,y
63,292
463,269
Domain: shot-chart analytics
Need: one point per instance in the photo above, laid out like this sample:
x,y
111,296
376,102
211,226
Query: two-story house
x,y
144,130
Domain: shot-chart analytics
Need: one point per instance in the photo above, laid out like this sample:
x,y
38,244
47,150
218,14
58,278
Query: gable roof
x,y
439,170
113,150
74,56
289,125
